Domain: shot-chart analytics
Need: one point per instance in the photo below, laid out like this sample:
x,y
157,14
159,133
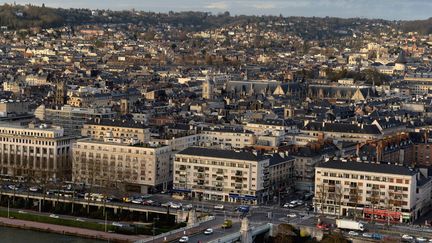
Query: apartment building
x,y
126,164
100,128
72,119
384,192
281,170
226,137
39,151
221,175
272,126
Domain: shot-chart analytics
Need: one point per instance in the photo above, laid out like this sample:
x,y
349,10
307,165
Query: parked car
x,y
54,216
208,231
219,206
292,215
353,233
367,235
184,239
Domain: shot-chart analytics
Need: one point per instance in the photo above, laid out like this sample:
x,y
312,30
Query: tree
x,y
355,197
337,197
321,195
374,199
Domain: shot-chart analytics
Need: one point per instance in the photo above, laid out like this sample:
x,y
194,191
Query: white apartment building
x,y
389,192
115,163
226,137
41,152
222,175
101,128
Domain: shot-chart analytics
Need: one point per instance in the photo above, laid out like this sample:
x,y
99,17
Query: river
x,y
13,235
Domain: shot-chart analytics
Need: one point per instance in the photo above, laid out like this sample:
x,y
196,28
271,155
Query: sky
x,y
385,9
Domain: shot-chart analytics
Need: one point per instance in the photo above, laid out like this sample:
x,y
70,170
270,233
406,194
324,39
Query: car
x,y
367,235
79,220
184,239
176,205
299,202
353,233
219,206
54,216
227,224
148,202
407,237
377,236
137,201
292,215
188,206
421,239
117,224
323,226
292,205
13,187
167,204
208,231
35,189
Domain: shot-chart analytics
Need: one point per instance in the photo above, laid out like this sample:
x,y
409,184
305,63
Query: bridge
x,y
247,233
115,206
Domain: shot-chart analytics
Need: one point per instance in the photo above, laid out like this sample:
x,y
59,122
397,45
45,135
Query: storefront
x,y
244,199
382,215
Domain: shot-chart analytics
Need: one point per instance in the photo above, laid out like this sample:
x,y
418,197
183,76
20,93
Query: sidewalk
x,y
86,233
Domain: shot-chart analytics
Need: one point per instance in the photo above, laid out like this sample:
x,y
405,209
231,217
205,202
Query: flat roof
x,y
367,167
219,153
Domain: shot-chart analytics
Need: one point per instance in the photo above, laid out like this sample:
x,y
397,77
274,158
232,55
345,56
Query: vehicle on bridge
x,y
227,224
349,224
243,209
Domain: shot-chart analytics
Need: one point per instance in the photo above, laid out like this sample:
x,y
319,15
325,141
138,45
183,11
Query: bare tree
x,y
321,195
338,196
374,199
355,197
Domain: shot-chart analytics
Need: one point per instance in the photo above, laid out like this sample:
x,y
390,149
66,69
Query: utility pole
x,y
8,208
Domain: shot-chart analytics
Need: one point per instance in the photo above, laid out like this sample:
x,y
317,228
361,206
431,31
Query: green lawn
x,y
49,220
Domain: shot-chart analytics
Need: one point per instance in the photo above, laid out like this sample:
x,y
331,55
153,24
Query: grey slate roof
x,y
367,167
219,153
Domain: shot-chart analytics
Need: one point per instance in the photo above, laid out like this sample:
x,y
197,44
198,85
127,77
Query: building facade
x,y
381,192
40,151
115,163
221,175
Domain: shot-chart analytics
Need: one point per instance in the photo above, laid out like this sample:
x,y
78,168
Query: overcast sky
x,y
386,9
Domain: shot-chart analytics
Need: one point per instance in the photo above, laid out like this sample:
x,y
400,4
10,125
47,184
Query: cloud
x,y
264,6
218,5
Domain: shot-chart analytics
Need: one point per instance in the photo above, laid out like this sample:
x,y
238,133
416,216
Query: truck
x,y
349,224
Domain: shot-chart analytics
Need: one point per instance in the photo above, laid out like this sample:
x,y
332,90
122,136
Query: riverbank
x,y
66,230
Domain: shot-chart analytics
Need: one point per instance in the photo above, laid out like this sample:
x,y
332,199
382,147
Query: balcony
x,y
219,171
239,173
219,178
201,169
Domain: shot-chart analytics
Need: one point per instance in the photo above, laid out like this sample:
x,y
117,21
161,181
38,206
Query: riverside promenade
x,y
66,230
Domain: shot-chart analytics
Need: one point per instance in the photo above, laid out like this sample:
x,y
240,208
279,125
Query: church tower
x,y
60,94
207,89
